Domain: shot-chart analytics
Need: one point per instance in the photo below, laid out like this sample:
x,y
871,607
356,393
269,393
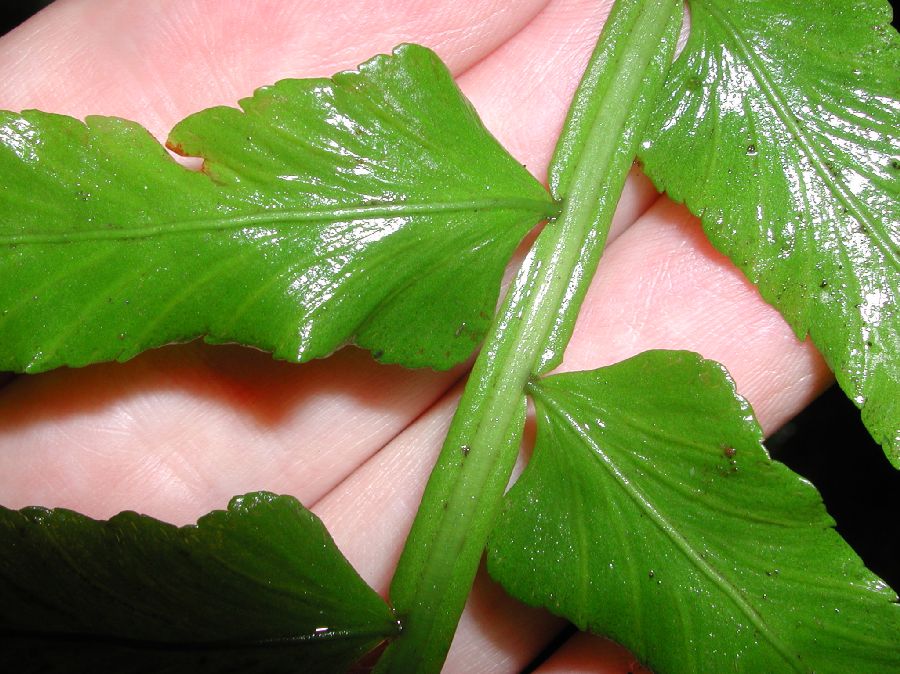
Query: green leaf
x,y
259,587
373,207
652,513
780,130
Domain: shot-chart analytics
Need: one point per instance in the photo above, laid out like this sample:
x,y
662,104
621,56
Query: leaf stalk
x,y
465,491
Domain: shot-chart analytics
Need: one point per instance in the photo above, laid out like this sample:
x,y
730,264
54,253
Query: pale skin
x,y
178,431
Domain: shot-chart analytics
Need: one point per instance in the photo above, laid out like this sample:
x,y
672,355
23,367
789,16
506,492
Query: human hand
x,y
176,432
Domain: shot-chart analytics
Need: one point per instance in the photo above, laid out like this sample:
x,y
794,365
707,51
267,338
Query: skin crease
x,y
178,431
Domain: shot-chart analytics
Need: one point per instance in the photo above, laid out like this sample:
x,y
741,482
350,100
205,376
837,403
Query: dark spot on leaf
x,y
377,354
895,164
465,449
751,150
731,469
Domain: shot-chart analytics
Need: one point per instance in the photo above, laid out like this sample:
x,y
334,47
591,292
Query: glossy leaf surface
x,y
373,207
259,587
651,512
781,129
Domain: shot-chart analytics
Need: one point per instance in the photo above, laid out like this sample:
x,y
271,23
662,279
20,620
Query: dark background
x,y
827,444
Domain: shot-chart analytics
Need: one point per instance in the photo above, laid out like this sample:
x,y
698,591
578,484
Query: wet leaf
x,y
373,207
780,129
259,587
651,512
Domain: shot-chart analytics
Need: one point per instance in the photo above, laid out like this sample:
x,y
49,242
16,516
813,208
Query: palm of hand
x,y
178,431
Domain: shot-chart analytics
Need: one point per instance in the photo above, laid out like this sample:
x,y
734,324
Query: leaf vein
x,y
644,503
776,100
289,217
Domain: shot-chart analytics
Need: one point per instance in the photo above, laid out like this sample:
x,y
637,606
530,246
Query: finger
x,y
156,62
177,431
663,286
589,654
496,633
522,91
539,68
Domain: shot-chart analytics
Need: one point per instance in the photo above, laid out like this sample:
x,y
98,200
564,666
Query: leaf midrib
x,y
540,208
107,640
775,99
644,503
